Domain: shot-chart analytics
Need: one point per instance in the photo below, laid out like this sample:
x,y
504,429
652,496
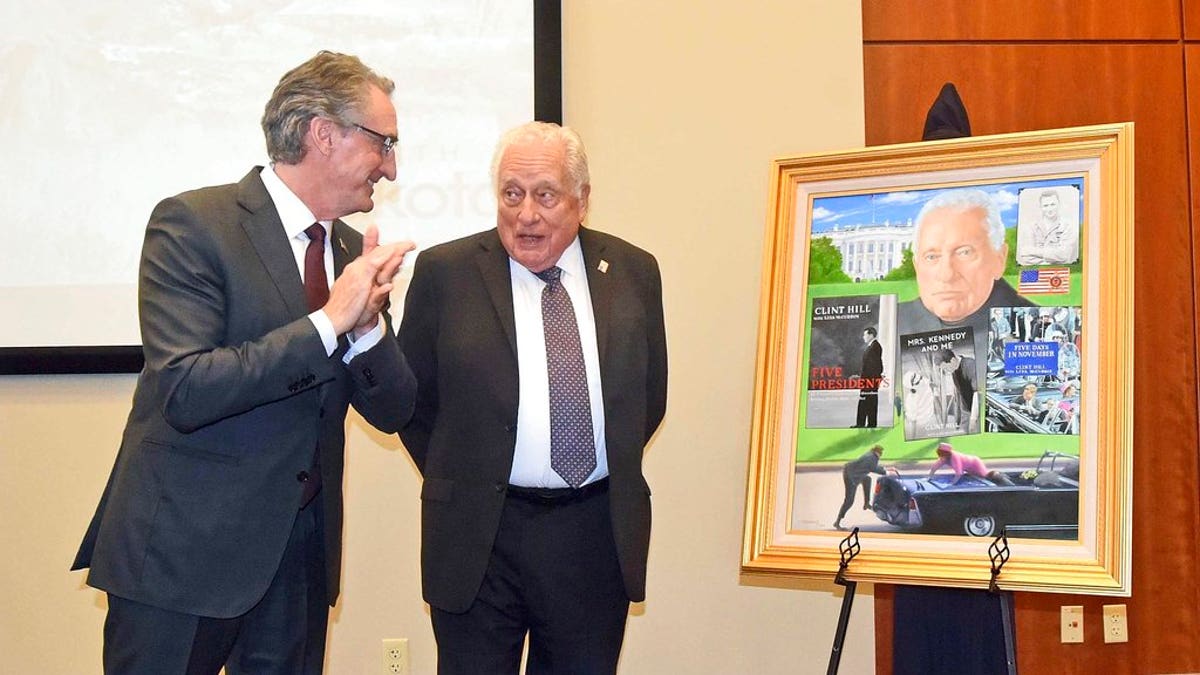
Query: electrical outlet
x,y
395,656
1116,624
1071,630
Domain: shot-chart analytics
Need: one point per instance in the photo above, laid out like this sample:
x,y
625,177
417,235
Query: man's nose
x,y
527,211
389,166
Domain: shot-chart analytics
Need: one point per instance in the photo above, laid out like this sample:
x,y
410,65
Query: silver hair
x,y
547,132
961,200
330,85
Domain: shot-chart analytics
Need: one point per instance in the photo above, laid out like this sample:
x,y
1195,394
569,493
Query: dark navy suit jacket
x,y
459,336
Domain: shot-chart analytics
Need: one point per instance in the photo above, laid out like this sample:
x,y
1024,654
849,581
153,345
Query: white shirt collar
x,y
294,215
570,262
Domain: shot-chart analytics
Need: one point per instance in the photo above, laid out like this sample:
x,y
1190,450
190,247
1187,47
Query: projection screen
x,y
109,107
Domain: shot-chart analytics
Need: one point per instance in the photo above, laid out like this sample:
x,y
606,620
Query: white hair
x,y
547,132
960,201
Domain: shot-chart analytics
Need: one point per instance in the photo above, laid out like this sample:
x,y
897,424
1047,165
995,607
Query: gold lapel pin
x,y
342,244
603,267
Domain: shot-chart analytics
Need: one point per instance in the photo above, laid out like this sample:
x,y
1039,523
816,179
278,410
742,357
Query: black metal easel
x,y
999,552
848,548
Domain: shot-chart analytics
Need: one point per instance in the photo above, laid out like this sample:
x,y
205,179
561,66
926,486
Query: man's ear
x,y
583,202
321,135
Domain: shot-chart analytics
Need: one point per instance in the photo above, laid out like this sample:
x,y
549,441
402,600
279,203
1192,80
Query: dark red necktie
x,y
316,284
316,290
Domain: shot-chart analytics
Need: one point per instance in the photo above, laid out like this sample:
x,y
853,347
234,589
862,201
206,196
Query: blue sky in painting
x,y
898,207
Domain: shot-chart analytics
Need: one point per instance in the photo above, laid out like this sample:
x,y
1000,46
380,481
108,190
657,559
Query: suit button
x,y
302,476
500,487
510,428
321,412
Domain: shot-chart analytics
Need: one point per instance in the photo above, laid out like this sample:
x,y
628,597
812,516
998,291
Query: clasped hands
x,y
360,291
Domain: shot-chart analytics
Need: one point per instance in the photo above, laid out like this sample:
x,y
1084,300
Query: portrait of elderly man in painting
x,y
959,256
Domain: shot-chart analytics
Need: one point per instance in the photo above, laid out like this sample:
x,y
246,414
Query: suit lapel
x,y
341,251
265,231
492,261
599,286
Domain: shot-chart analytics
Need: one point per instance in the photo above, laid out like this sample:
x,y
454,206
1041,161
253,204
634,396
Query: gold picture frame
x,y
1012,416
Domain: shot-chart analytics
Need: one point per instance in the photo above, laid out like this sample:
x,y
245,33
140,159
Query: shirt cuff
x,y
325,329
364,343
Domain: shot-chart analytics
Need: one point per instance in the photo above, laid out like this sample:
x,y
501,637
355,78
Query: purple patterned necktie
x,y
572,450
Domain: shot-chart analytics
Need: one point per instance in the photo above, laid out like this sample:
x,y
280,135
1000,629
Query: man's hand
x,y
363,286
389,259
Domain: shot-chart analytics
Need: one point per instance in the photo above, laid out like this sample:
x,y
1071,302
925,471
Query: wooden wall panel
x,y
1191,19
1022,87
955,20
1192,79
1026,87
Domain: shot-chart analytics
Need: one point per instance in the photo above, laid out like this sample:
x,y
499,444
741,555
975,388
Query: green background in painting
x,y
841,445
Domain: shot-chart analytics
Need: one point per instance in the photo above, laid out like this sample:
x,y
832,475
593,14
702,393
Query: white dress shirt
x,y
531,459
296,218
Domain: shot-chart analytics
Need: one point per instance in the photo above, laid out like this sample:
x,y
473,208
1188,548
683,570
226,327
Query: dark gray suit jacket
x,y
459,336
235,397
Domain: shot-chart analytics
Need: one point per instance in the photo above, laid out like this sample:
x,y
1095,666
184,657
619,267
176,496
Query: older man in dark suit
x,y
540,353
218,536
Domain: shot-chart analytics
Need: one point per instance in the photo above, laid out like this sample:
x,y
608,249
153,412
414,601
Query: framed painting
x,y
945,354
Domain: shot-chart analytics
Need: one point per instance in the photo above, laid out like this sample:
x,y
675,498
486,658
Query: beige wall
x,y
682,104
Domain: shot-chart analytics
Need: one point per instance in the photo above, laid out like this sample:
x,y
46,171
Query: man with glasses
x,y
263,316
386,143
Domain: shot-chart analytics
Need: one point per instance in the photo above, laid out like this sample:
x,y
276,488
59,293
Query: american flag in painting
x,y
1044,280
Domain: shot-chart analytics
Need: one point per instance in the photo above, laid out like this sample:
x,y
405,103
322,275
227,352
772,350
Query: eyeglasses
x,y
388,142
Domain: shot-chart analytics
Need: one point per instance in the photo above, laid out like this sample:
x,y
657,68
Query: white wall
x,y
682,104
